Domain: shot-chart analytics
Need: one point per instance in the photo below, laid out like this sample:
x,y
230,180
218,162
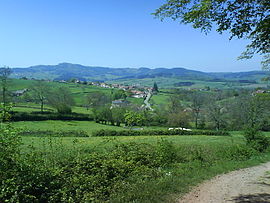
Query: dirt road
x,y
242,186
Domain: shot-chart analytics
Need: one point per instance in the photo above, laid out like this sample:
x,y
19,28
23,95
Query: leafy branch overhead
x,y
248,19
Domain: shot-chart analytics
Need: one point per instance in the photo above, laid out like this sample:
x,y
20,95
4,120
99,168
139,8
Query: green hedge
x,y
51,133
39,116
101,133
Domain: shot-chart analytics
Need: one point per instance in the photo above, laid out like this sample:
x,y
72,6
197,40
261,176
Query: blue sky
x,y
111,33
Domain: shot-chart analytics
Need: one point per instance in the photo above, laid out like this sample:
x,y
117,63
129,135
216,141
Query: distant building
x,y
120,103
18,93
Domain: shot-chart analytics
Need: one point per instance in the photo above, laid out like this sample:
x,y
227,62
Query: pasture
x,y
183,161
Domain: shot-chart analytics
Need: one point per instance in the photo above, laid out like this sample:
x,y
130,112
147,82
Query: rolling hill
x,y
67,71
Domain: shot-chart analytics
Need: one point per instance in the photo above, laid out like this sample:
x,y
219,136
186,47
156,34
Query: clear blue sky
x,y
112,33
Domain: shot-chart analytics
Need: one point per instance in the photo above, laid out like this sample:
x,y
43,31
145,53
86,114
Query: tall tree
x,y
40,91
61,99
155,87
216,113
4,81
97,99
174,103
197,101
4,74
242,18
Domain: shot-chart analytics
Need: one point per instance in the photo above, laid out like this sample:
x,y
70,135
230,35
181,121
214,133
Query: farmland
x,y
63,158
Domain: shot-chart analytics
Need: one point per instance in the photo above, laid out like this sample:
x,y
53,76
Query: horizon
x,y
111,34
96,66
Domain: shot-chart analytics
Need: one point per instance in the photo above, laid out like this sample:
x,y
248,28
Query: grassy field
x,y
198,158
96,142
137,169
87,126
164,82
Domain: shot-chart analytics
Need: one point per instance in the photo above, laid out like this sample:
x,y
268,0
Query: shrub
x,y
41,116
51,133
256,140
157,132
240,153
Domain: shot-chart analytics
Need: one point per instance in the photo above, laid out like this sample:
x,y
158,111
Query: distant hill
x,y
66,71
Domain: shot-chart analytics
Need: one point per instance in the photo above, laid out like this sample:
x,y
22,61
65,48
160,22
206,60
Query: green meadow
x,y
184,161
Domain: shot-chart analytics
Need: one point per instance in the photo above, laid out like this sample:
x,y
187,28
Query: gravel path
x,y
250,185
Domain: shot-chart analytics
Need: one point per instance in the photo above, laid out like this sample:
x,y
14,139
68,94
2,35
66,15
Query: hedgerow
x,y
52,133
103,132
42,116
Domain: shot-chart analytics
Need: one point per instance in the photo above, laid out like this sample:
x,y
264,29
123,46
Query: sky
x,y
110,33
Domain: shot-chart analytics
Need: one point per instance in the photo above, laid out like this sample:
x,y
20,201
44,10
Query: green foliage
x,y
61,99
97,99
240,153
118,115
158,132
179,119
155,87
119,94
9,143
103,115
53,133
42,116
124,172
5,84
133,118
39,93
256,140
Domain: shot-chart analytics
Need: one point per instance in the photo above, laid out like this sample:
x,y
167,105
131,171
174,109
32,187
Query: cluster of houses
x,y
135,91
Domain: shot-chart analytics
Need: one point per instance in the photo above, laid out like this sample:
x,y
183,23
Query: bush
x,y
256,140
51,133
90,178
240,153
42,116
103,132
109,175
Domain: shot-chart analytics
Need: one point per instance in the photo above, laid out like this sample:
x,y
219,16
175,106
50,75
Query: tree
x,y
174,103
4,81
119,94
61,99
197,101
243,18
118,115
134,118
40,91
103,114
155,87
179,119
216,113
97,99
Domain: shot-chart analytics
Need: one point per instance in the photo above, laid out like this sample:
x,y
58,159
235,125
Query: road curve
x,y
249,185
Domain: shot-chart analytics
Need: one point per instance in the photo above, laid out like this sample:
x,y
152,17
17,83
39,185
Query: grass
x,y
164,82
160,98
87,126
182,176
96,142
123,169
